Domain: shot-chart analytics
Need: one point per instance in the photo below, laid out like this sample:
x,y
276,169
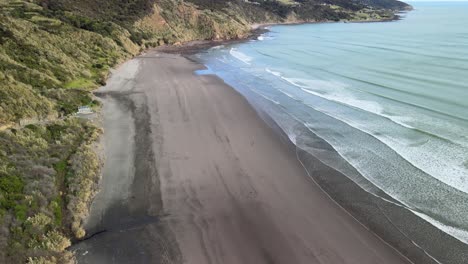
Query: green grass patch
x,y
287,2
46,21
56,207
10,184
21,211
81,83
61,166
11,191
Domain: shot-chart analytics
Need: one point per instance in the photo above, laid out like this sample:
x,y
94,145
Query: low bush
x,y
47,179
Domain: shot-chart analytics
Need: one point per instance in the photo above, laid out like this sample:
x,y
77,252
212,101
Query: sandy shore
x,y
194,175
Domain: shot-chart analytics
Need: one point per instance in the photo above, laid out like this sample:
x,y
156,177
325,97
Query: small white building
x,y
84,110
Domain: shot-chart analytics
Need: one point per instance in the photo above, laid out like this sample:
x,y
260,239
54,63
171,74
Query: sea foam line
x,y
338,89
265,97
240,56
275,73
293,138
436,168
459,234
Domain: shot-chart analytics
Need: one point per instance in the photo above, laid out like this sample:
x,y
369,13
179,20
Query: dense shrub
x,y
47,177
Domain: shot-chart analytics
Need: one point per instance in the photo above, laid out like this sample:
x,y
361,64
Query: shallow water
x,y
391,98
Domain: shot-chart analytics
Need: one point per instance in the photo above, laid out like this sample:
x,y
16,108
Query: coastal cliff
x,y
54,53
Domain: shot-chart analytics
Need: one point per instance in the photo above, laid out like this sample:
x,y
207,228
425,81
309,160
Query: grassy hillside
x,y
49,62
53,53
386,4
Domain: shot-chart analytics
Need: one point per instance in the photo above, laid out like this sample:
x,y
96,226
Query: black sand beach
x,y
194,175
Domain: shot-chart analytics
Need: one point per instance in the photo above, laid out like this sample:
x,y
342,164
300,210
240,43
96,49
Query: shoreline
x,y
397,227
415,239
236,193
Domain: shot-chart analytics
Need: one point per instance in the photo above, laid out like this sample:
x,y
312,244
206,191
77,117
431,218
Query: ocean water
x,y
391,98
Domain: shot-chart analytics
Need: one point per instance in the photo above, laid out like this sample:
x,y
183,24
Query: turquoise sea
x,y
391,98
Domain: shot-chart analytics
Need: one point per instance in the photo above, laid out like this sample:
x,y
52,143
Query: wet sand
x,y
194,175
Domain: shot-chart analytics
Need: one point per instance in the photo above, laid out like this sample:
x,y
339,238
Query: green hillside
x,y
53,53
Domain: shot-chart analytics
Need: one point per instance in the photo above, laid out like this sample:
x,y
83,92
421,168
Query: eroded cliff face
x,y
173,21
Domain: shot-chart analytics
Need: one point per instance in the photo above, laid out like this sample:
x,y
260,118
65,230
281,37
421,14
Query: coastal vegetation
x,y
48,174
54,53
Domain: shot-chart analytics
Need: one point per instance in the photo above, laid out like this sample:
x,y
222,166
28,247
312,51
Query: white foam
x,y
278,74
457,233
292,137
266,97
428,154
400,120
288,94
217,47
240,56
334,91
264,37
431,155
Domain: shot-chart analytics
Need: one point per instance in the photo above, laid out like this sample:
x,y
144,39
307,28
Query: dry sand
x,y
194,175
